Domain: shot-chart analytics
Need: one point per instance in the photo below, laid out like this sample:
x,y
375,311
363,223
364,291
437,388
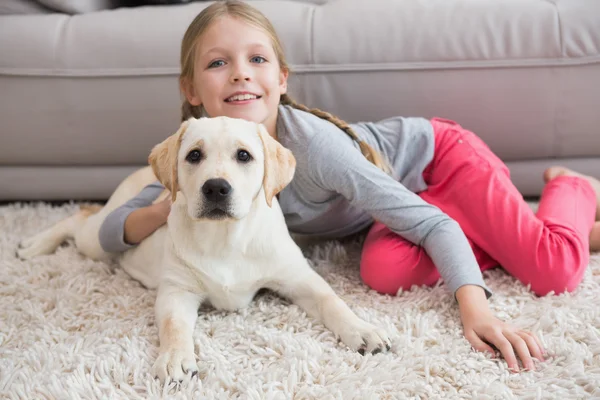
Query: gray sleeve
x,y
337,166
112,230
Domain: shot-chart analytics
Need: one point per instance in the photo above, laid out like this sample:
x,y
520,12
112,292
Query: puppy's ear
x,y
163,159
280,165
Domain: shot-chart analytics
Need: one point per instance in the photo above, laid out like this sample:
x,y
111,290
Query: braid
x,y
188,110
368,151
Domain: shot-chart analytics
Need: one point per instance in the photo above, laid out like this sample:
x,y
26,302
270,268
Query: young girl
x,y
347,176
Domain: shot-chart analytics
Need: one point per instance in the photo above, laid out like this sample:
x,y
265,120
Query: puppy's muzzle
x,y
216,190
217,195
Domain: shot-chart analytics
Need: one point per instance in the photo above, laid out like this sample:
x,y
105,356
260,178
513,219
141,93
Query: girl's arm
x,y
129,224
142,222
336,165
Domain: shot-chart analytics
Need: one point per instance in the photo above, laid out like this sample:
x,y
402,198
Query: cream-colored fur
x,y
221,252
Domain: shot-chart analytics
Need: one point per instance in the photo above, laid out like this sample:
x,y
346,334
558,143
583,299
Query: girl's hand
x,y
163,208
481,329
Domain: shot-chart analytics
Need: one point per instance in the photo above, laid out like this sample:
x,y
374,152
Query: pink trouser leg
x,y
390,262
548,250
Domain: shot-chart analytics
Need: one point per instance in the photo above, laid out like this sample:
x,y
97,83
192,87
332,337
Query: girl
x,y
232,64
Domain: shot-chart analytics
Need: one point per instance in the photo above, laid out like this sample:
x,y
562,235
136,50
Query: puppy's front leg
x,y
176,313
310,291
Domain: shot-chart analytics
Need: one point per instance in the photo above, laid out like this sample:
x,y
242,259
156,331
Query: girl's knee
x,y
558,280
376,274
557,264
560,274
386,269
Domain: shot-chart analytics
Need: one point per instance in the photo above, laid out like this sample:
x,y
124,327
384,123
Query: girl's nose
x,y
240,74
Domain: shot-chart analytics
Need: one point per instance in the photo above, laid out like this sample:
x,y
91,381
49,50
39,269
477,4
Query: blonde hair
x,y
244,12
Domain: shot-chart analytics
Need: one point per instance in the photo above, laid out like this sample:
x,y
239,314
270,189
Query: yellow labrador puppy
x,y
225,238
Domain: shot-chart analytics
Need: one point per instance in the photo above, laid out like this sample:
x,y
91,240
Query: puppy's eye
x,y
194,157
243,156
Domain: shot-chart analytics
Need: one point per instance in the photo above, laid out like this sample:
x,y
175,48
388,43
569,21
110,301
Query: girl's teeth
x,y
241,97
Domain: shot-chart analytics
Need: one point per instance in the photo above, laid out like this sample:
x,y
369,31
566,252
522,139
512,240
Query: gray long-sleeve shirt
x,y
337,192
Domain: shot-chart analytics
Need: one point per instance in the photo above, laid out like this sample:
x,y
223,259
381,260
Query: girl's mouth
x,y
242,98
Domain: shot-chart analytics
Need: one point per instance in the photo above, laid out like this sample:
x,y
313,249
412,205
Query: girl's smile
x,y
242,98
237,73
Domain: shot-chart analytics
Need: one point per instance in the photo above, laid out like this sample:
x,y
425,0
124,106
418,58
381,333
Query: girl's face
x,y
237,74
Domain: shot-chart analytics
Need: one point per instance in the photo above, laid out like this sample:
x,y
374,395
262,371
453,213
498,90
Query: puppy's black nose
x,y
216,189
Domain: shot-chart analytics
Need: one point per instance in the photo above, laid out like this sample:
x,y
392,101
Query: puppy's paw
x,y
30,248
365,337
44,242
174,364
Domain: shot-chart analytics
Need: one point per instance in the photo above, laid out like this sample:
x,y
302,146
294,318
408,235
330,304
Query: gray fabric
x,y
336,192
34,183
27,182
99,90
88,6
112,230
76,6
324,153
12,7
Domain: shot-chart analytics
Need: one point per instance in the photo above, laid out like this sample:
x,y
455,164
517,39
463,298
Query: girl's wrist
x,y
472,299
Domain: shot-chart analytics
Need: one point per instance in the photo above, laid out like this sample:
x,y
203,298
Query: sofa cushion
x,y
340,35
76,6
515,71
10,7
87,6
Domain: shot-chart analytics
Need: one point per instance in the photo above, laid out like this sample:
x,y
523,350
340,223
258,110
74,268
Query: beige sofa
x,y
84,98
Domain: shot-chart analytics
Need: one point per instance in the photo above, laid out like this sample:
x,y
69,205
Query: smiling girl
x,y
438,202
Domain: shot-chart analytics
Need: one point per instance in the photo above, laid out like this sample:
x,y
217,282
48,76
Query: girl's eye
x,y
258,59
243,156
217,63
194,157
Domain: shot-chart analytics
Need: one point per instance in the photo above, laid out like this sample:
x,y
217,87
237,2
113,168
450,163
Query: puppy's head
x,y
221,165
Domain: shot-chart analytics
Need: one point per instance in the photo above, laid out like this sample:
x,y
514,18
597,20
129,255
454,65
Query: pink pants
x,y
549,250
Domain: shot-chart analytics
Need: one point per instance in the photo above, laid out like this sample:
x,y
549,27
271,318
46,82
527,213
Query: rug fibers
x,y
72,328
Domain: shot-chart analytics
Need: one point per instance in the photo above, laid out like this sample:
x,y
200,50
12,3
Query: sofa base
x,y
47,183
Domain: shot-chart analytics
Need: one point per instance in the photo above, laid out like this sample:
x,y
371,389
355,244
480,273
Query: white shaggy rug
x,y
71,328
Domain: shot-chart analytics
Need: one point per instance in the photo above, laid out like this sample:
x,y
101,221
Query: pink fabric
x,y
549,250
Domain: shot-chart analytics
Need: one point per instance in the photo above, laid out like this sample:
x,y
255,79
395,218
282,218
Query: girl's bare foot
x,y
555,172
595,237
